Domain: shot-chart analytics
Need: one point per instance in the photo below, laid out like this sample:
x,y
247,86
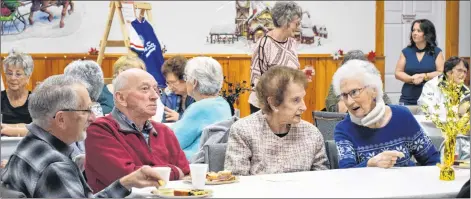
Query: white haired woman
x,y
277,47
89,72
332,102
374,134
204,78
18,68
293,145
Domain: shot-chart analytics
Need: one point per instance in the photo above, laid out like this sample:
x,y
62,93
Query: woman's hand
x,y
8,130
386,159
171,115
418,78
4,163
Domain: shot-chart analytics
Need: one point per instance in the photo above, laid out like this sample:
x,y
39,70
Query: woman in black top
x,y
18,68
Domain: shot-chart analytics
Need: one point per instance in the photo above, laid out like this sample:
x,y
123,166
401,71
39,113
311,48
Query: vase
x,y
446,170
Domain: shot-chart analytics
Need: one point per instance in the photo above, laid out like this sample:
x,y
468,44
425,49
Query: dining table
x,y
370,182
8,146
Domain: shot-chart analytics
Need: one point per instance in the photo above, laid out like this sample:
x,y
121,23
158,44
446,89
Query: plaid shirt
x,y
146,129
41,167
254,149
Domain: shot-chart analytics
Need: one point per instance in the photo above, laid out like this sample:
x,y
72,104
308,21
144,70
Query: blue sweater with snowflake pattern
x,y
357,144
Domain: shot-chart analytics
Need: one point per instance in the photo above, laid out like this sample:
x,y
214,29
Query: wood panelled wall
x,y
236,69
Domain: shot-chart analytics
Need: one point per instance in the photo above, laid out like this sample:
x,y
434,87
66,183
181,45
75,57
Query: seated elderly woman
x,y
175,98
204,78
332,102
123,63
18,68
90,72
374,134
455,70
275,139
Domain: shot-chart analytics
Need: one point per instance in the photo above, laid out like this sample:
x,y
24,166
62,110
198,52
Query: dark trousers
x,y
253,109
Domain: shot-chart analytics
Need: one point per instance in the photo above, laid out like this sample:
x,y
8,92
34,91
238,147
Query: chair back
x,y
332,154
214,156
326,121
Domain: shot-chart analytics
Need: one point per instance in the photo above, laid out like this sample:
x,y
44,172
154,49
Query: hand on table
x,y
143,177
386,159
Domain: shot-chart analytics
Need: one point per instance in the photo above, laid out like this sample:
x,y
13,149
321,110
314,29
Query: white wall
x,y
183,26
464,48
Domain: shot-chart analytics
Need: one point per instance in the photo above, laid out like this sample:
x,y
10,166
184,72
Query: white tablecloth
x,y
9,146
341,183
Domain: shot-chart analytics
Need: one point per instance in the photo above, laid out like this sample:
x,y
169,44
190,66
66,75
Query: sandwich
x,y
189,192
225,176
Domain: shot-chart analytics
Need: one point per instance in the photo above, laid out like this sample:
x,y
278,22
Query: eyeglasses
x,y
17,75
172,83
185,77
91,109
353,93
460,71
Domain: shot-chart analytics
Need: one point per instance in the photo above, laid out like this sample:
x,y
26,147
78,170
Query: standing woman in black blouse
x,y
18,68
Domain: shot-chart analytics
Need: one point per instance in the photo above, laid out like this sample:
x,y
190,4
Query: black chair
x,y
5,192
326,122
332,154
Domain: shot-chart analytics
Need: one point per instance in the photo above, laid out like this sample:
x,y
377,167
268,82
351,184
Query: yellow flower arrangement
x,y
453,125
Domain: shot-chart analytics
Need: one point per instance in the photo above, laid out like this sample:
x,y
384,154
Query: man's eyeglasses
x,y
17,75
90,110
353,93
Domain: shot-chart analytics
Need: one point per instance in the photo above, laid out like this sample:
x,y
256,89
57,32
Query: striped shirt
x,y
41,167
268,53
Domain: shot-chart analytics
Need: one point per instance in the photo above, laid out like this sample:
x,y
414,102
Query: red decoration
x,y
93,51
340,52
371,56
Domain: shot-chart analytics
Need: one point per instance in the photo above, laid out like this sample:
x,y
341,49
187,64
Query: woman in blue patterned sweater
x,y
374,134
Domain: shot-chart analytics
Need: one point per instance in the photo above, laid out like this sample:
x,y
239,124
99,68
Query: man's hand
x,y
171,115
143,177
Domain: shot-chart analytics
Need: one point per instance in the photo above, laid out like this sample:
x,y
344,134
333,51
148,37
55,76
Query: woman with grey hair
x,y
332,102
277,47
374,134
18,68
204,78
89,72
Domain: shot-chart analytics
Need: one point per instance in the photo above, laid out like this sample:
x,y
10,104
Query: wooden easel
x,y
116,6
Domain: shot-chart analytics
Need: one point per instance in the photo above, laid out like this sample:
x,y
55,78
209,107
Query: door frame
x,y
452,21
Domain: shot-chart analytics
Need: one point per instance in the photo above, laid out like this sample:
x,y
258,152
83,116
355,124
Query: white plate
x,y
168,193
215,182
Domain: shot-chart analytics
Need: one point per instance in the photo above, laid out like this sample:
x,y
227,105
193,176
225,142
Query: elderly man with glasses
x,y
42,166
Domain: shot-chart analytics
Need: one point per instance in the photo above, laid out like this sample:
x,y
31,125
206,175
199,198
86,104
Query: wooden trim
x,y
452,28
379,41
379,48
167,55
